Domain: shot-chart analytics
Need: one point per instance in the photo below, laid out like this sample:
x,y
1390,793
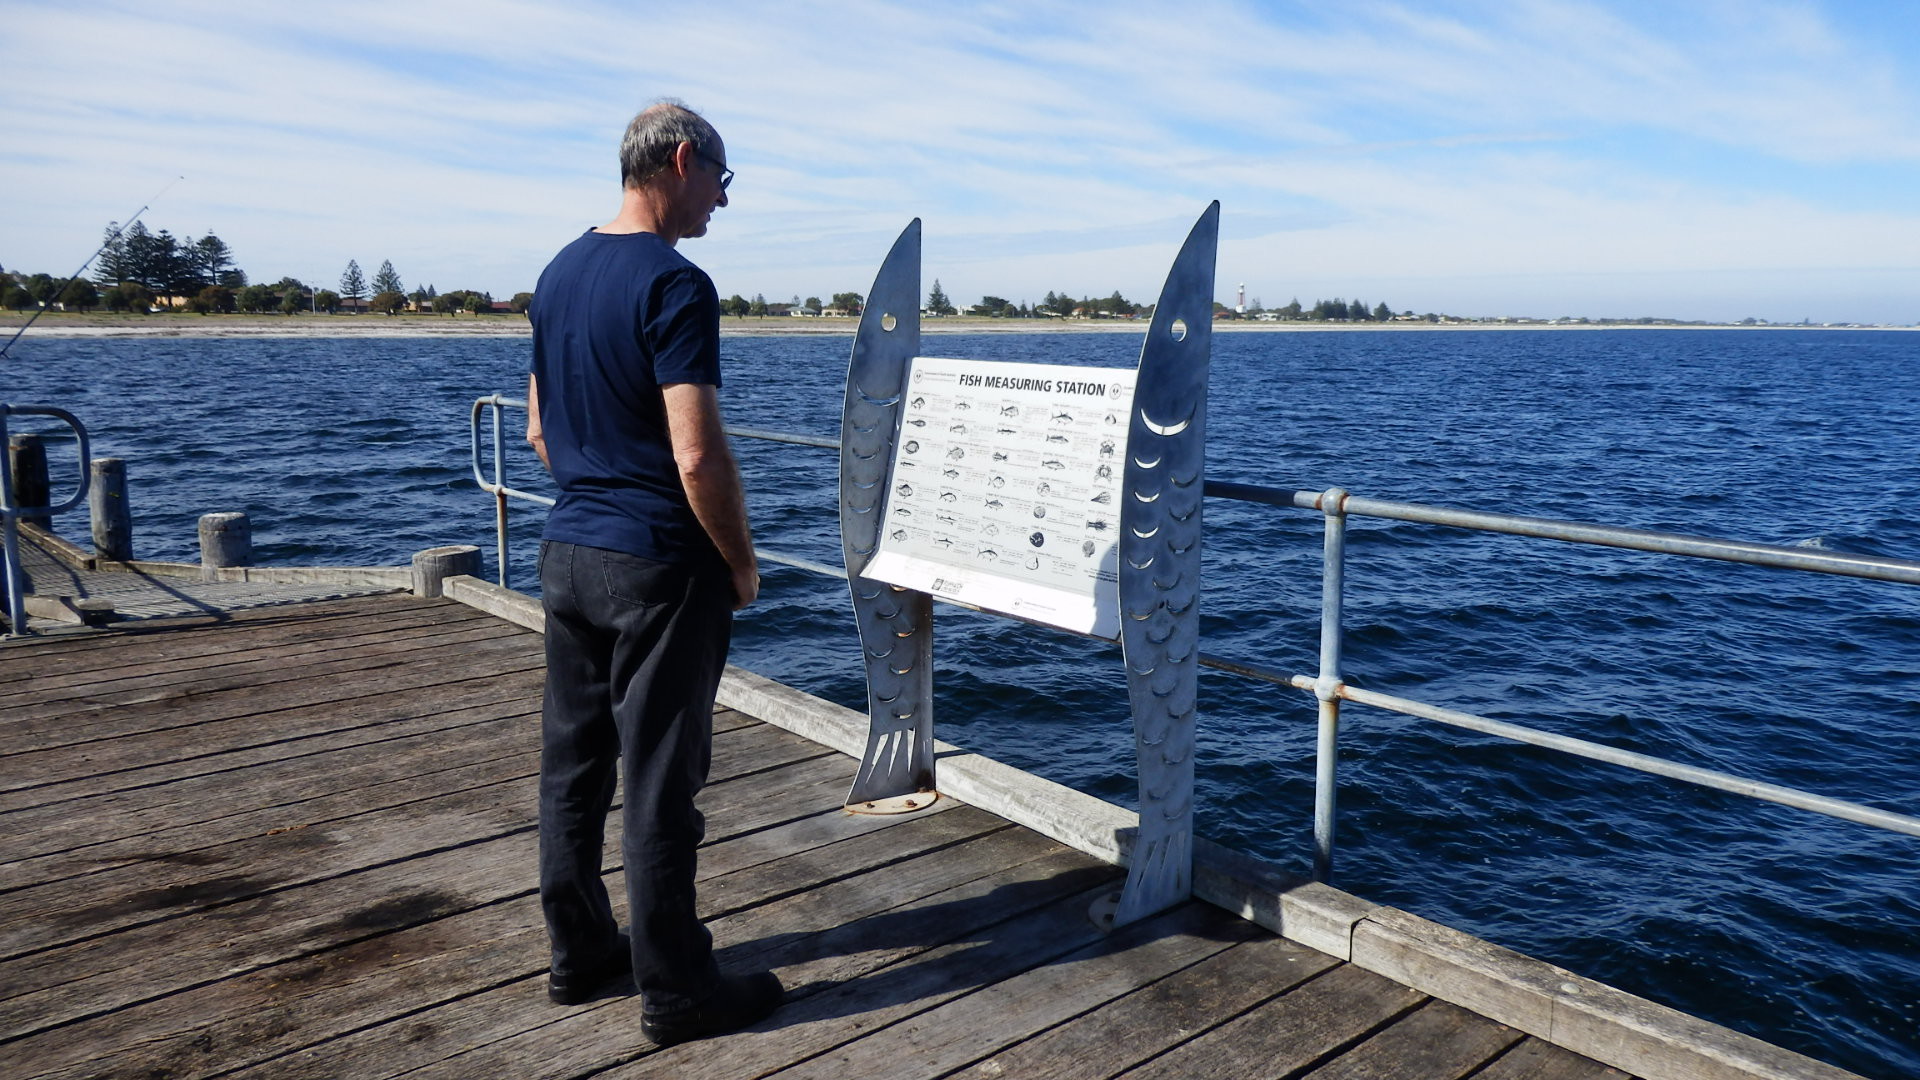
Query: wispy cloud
x,y
1453,149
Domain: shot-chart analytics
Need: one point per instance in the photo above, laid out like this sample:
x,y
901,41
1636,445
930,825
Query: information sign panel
x,y
1005,489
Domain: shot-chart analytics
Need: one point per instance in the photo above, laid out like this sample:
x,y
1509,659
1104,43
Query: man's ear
x,y
683,159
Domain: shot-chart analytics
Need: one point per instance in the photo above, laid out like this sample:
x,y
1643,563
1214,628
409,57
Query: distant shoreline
x,y
66,325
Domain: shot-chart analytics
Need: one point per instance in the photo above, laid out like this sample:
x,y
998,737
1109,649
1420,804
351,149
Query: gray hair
x,y
655,134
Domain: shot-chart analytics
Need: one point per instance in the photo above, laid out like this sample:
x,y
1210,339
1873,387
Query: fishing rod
x,y
75,276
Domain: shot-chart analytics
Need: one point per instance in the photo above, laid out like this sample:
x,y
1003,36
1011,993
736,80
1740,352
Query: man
x,y
644,559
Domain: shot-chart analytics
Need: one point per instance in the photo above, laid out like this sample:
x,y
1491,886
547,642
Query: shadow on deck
x,y
300,843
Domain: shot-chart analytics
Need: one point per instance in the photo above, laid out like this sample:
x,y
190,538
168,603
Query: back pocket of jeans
x,y
635,580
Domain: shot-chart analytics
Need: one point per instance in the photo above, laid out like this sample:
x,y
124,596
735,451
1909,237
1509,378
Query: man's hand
x,y
746,587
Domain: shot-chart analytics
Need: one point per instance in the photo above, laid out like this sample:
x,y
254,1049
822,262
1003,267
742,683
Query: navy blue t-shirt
x,y
615,316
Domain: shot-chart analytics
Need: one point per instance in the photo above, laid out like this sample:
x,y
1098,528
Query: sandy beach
x,y
70,325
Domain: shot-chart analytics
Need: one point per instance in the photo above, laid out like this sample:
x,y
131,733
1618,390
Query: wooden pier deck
x,y
299,843
65,578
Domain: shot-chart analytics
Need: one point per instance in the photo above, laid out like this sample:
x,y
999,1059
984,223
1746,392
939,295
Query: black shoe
x,y
584,986
742,1000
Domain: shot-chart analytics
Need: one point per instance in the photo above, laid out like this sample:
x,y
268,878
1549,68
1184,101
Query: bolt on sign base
x,y
898,804
1103,910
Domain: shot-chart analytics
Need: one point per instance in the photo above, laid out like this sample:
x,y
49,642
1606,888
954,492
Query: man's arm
x,y
712,480
534,434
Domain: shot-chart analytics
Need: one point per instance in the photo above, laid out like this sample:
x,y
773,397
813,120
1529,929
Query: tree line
x,y
139,270
939,303
1335,310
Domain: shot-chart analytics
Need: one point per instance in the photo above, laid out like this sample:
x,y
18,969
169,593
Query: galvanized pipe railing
x,y
501,492
1329,686
10,514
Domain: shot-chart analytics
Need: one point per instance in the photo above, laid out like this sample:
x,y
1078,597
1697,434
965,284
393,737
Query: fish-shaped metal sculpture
x,y
1159,571
896,624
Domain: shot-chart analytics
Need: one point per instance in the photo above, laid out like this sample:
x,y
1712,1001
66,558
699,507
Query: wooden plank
x,y
246,740
817,1020
1532,1059
122,668
303,1002
108,971
186,705
182,843
931,1044
271,1009
379,773
256,717
258,872
156,644
1288,1033
103,715
514,1036
1149,1021
1437,1041
425,1037
160,639
827,863
301,850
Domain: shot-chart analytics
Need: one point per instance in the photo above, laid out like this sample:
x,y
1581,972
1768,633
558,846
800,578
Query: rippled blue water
x,y
1800,929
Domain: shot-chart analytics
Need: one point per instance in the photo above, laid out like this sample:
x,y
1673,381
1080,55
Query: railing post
x,y
11,582
500,495
225,540
1326,688
111,518
31,485
432,567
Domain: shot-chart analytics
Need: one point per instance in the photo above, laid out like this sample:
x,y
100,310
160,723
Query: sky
x,y
1691,159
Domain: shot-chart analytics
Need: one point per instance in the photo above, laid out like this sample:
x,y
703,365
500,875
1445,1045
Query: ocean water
x,y
1793,927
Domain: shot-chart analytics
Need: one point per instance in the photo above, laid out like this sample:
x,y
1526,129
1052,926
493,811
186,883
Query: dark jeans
x,y
635,650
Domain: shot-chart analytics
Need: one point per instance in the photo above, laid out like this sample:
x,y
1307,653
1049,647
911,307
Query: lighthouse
x,y
1240,305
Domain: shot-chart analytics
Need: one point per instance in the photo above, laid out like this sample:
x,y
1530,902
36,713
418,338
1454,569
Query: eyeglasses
x,y
726,174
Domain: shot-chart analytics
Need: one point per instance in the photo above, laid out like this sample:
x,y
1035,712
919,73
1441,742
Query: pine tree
x,y
113,267
352,285
937,302
386,280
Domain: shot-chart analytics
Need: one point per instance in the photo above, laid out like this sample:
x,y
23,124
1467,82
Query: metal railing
x,y
10,514
501,492
1329,686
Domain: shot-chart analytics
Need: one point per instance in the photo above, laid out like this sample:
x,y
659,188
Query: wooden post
x,y
28,458
432,567
225,540
107,507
